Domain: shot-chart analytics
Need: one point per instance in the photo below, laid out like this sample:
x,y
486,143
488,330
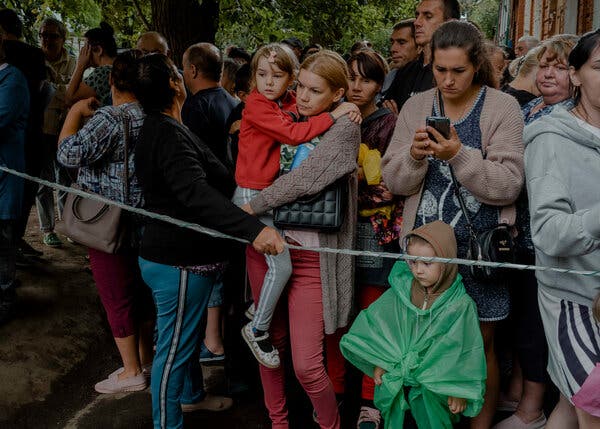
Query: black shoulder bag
x,y
493,245
324,211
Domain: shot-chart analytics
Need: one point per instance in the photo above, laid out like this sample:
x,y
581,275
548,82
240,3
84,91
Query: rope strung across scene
x,y
216,234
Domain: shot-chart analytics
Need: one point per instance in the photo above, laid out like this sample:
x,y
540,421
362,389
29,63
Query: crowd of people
x,y
231,137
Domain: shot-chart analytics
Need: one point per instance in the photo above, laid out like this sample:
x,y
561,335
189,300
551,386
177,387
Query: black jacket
x,y
182,178
411,79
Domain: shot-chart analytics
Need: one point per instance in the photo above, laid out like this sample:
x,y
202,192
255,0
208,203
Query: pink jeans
x,y
301,306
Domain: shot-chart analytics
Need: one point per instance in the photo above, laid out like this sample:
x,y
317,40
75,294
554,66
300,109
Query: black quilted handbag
x,y
322,212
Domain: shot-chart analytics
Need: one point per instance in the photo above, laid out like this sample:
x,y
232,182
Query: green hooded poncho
x,y
438,352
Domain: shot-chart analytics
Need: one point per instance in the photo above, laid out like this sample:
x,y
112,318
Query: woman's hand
x,y
377,374
420,148
86,107
85,56
456,405
269,242
349,109
443,148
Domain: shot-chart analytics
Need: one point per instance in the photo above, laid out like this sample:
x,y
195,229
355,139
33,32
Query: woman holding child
x,y
486,154
319,295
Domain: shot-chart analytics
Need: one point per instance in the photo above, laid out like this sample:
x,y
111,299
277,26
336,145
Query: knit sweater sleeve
x,y
269,119
403,174
333,158
496,178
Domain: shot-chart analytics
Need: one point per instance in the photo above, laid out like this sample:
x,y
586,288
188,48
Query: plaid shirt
x,y
98,151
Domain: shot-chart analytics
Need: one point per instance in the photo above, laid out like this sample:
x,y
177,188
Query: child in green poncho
x,y
420,340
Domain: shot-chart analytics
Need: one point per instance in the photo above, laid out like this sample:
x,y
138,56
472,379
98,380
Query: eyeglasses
x,y
50,36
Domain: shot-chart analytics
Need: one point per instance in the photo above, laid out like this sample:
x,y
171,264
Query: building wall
x,y
545,18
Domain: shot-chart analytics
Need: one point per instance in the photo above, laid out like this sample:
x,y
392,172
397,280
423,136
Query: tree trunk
x,y
185,22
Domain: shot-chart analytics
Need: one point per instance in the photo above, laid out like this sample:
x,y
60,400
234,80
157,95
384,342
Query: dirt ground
x,y
58,346
58,319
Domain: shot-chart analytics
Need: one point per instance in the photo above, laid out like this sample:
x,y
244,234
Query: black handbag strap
x,y
457,185
461,202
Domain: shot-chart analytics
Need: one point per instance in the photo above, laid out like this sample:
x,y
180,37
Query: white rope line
x,y
216,234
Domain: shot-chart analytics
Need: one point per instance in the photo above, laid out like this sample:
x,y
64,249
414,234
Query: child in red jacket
x,y
267,123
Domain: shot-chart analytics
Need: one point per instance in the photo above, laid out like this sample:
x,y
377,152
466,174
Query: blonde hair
x,y
526,64
281,55
558,47
330,66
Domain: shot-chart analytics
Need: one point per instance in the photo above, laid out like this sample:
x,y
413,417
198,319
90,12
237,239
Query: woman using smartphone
x,y
484,149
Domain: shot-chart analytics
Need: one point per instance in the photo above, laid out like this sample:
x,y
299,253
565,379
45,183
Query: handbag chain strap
x,y
457,185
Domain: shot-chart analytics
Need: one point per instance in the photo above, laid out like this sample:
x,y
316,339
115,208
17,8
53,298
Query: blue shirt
x,y
14,109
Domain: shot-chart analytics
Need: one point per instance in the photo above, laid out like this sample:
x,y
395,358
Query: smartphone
x,y
441,124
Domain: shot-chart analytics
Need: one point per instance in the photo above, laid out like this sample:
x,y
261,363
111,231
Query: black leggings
x,y
531,345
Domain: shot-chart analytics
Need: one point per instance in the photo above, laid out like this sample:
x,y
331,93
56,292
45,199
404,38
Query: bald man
x,y
152,42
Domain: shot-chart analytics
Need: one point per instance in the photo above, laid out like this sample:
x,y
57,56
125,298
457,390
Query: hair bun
x,y
105,26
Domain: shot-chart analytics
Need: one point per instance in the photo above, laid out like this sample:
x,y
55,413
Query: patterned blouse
x,y
98,151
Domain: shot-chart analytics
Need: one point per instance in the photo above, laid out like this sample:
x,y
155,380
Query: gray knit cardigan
x,y
334,157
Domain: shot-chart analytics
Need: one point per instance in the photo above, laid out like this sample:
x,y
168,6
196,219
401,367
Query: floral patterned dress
x,y
439,202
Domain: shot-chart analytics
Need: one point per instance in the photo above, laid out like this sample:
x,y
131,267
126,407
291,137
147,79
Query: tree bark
x,y
185,22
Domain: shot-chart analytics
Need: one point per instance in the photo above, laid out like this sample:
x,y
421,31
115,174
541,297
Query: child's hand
x,y
377,374
349,109
248,209
456,405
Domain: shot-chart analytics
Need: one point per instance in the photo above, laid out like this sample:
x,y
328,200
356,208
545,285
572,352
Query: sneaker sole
x,y
134,388
256,355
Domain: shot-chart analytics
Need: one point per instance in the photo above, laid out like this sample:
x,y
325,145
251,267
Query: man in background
x,y
60,66
417,76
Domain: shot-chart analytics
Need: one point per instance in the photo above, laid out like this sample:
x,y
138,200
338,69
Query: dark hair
x,y
405,23
451,9
370,65
361,44
207,59
124,70
241,53
293,42
242,78
230,68
103,36
153,87
11,23
60,26
461,34
581,54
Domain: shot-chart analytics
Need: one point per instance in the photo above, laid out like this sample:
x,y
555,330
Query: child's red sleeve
x,y
269,119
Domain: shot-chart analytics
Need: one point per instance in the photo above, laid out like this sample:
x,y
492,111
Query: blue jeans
x,y
181,299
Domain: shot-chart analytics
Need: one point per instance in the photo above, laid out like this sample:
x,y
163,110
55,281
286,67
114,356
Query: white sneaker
x,y
369,418
261,347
